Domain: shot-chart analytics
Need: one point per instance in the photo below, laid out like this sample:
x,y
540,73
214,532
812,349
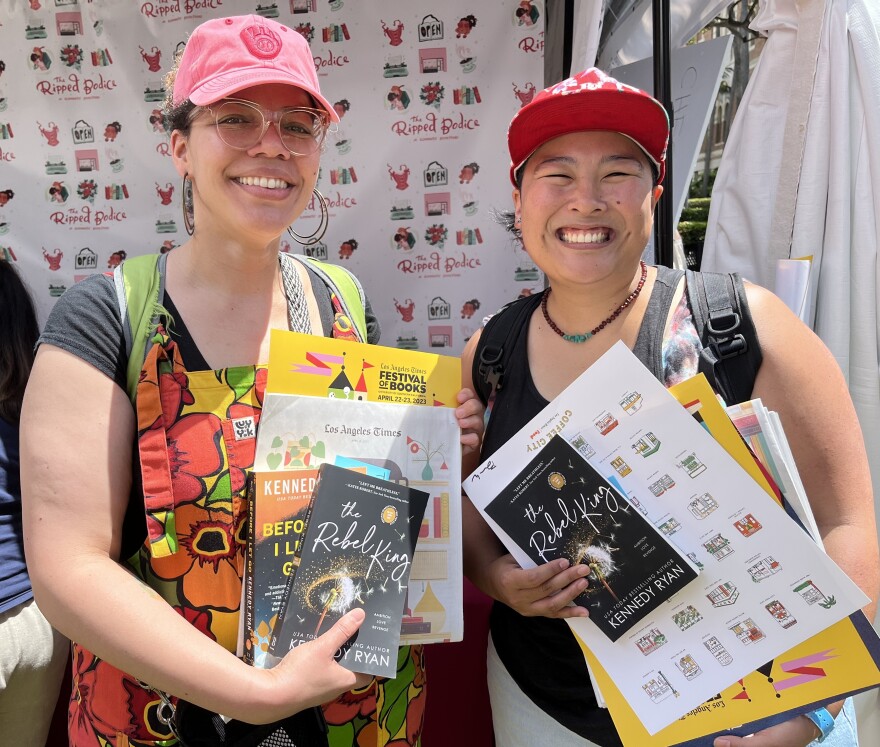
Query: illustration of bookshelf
x,y
721,654
747,632
620,466
335,32
647,445
719,547
723,595
780,614
632,402
661,485
695,561
466,95
435,524
702,505
606,424
692,465
651,641
56,167
687,617
688,666
343,175
748,525
116,192
303,6
764,568
468,236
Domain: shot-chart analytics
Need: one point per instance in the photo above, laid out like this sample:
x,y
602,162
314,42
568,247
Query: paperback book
x,y
558,506
357,549
277,509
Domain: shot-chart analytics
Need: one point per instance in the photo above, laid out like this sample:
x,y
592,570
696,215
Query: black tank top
x,y
540,653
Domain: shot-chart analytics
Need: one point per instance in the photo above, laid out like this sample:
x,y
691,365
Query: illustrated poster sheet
x,y
419,446
765,587
840,661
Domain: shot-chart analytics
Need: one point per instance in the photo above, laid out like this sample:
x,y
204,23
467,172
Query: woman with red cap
x,y
136,554
587,163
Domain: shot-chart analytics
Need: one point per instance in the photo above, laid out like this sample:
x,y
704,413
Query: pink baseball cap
x,y
590,100
226,55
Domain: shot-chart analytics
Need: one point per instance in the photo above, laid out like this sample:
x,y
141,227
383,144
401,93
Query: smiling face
x,y
586,206
256,193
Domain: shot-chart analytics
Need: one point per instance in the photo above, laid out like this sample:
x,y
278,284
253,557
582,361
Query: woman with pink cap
x,y
135,475
587,163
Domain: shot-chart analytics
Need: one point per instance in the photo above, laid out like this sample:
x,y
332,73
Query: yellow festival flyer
x,y
327,367
841,660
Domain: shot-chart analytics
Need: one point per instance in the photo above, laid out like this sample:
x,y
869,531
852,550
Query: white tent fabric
x,y
835,191
632,37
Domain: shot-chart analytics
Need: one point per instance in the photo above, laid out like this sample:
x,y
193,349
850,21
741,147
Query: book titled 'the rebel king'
x,y
559,506
356,551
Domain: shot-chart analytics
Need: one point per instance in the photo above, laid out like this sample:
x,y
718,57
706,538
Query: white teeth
x,y
262,181
584,237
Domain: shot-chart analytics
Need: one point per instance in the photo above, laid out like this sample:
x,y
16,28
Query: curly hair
x,y
177,117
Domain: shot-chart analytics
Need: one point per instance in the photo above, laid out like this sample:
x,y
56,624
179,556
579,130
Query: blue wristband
x,y
824,721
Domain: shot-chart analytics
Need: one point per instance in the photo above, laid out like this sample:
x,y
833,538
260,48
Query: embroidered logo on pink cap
x,y
261,42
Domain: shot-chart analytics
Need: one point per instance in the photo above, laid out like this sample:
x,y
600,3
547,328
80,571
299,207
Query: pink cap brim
x,y
226,84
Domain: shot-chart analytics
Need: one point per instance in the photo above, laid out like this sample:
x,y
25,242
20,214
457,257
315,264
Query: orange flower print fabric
x,y
196,439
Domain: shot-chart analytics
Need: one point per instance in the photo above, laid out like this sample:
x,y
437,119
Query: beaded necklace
x,y
587,335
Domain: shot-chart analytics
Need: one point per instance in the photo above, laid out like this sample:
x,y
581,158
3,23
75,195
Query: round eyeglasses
x,y
242,124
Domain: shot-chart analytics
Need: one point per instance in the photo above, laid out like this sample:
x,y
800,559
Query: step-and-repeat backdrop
x,y
412,176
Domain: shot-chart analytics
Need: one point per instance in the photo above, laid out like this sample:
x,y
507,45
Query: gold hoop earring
x,y
315,237
188,210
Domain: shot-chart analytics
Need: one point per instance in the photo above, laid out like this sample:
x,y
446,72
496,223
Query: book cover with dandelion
x,y
356,551
558,506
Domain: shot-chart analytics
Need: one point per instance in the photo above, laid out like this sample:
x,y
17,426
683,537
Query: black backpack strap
x,y
731,354
496,344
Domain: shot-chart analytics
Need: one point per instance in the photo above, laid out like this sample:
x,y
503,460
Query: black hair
x,y
18,335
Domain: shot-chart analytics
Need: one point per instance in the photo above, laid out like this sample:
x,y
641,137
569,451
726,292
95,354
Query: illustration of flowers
x,y
432,94
87,189
424,453
436,235
72,56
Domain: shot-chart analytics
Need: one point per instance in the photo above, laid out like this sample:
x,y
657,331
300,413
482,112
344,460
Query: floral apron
x,y
196,437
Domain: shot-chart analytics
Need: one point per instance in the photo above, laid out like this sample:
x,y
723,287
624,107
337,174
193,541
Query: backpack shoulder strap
x,y
731,354
496,345
344,285
139,284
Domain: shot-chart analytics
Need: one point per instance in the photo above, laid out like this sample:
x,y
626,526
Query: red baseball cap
x,y
590,100
226,55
